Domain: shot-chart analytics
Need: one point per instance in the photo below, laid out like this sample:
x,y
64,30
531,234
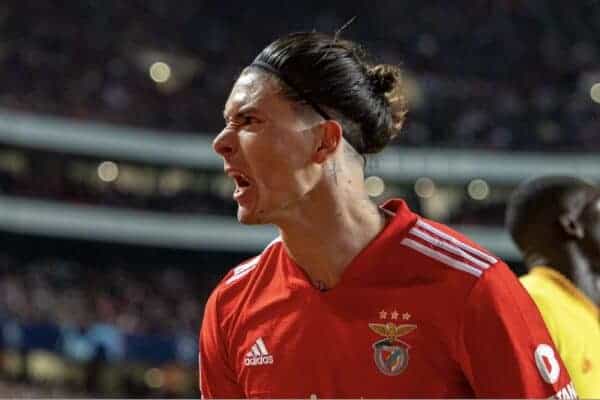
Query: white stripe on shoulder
x,y
462,245
448,247
245,266
451,262
243,269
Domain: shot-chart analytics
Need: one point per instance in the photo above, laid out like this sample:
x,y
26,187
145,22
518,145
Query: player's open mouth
x,y
242,184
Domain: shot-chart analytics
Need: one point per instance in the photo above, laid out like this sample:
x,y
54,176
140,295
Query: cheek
x,y
592,243
277,172
592,221
276,162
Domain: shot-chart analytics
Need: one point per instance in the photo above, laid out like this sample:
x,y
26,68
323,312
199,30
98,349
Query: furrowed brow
x,y
247,110
241,112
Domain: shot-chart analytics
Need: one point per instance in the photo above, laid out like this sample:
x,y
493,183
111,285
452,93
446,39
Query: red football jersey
x,y
422,311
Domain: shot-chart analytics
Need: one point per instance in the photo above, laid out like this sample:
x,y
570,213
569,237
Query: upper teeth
x,y
239,178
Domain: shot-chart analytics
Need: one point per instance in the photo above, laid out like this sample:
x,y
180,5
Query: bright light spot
x,y
595,92
478,189
160,72
375,186
424,187
154,378
108,171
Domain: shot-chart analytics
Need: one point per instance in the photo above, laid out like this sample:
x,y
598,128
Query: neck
x,y
329,230
575,266
586,281
560,262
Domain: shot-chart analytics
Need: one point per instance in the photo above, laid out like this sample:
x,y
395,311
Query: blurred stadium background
x,y
116,220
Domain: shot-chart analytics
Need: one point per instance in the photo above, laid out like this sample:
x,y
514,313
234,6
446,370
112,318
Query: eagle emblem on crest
x,y
391,353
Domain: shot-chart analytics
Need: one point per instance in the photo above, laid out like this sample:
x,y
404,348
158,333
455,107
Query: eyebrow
x,y
242,111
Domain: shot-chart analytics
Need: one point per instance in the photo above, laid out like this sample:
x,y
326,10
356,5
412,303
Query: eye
x,y
248,120
241,120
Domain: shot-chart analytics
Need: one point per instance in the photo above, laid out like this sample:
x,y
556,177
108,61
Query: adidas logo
x,y
259,355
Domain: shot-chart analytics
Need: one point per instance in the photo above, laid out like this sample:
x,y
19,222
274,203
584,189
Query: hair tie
x,y
279,74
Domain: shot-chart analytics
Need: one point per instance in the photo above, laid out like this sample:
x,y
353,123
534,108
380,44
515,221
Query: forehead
x,y
256,90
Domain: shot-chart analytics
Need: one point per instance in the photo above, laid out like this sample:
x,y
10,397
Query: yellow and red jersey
x,y
574,324
422,311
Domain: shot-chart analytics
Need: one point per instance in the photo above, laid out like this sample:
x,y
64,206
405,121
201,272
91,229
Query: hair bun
x,y
387,82
384,78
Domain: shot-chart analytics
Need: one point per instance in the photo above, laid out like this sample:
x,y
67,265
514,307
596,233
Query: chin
x,y
246,220
248,217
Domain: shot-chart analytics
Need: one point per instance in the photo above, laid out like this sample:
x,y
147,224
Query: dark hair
x,y
333,76
534,207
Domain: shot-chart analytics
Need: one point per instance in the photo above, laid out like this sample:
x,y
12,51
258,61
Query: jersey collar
x,y
560,280
401,219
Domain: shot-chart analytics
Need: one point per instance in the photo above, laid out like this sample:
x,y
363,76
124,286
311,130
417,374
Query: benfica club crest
x,y
391,353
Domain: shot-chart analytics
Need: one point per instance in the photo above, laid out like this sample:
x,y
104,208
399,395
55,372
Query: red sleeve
x,y
216,377
504,347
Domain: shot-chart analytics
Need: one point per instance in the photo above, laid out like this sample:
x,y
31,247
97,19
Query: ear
x,y
571,226
329,138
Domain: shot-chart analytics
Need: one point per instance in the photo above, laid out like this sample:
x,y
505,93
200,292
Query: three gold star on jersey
x,y
383,314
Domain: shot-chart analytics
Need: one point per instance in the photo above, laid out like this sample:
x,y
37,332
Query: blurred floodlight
x,y
169,70
154,378
424,187
478,189
160,72
375,186
595,92
108,171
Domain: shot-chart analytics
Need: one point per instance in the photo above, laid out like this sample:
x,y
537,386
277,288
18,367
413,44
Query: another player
x,y
353,300
555,221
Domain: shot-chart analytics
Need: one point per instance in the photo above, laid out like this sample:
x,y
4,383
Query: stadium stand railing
x,y
203,231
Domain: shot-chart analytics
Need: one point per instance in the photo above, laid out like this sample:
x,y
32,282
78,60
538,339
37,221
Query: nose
x,y
224,143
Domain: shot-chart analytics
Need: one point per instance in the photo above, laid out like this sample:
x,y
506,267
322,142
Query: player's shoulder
x,y
543,291
241,275
532,283
438,245
545,279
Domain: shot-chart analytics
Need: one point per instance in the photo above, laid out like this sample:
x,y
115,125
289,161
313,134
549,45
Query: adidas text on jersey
x,y
258,355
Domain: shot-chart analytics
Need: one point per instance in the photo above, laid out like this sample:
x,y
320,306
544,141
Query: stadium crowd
x,y
95,313
166,301
508,74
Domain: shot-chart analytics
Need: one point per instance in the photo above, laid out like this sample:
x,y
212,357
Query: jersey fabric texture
x,y
421,311
574,324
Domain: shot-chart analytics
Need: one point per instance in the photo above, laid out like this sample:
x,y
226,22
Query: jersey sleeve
x,y
216,376
568,343
505,348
